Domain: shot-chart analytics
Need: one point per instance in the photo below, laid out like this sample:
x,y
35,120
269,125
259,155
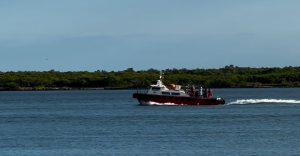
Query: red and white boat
x,y
159,94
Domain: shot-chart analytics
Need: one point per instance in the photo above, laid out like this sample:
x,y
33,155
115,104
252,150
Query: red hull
x,y
178,99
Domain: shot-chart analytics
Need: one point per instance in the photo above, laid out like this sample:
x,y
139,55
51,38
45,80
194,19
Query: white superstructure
x,y
160,89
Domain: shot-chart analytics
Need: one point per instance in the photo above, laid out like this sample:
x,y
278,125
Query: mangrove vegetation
x,y
229,76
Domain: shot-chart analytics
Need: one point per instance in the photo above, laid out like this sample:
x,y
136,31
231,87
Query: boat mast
x,y
161,76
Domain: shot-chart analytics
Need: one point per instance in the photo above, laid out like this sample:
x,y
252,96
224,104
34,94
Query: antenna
x,y
161,75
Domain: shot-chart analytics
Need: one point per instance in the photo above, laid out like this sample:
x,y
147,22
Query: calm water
x,y
255,122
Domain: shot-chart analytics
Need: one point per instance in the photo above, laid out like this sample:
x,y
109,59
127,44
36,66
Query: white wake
x,y
151,103
256,101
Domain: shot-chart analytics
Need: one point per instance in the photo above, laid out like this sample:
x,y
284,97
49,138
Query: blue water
x,y
112,123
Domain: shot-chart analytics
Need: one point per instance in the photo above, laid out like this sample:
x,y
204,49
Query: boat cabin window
x,y
155,88
165,93
175,93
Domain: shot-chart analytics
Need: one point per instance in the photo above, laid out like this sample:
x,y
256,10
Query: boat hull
x,y
177,100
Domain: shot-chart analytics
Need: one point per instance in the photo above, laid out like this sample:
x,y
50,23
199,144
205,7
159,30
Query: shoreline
x,y
117,88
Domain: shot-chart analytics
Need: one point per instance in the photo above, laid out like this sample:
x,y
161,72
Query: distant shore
x,y
111,88
227,77
64,88
59,88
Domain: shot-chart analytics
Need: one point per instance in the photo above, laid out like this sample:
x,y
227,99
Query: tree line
x,y
227,77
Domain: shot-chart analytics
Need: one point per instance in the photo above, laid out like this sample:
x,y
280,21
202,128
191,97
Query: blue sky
x,y
79,35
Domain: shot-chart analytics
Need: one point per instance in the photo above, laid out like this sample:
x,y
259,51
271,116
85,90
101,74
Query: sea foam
x,y
256,101
151,103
